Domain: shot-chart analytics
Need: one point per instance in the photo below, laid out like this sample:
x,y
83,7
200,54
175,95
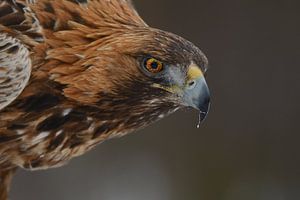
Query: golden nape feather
x,y
76,73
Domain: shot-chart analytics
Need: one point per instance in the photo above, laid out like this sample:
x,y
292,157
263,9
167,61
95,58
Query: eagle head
x,y
139,75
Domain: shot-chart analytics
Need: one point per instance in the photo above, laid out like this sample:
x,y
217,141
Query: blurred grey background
x,y
249,146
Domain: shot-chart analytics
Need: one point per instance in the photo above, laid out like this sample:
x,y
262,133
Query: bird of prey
x,y
74,73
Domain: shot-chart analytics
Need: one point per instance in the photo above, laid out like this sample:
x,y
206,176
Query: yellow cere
x,y
194,72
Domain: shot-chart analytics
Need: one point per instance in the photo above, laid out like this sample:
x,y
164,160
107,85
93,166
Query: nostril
x,y
192,84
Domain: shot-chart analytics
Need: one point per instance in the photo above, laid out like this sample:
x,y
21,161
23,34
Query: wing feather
x,y
15,69
19,33
17,18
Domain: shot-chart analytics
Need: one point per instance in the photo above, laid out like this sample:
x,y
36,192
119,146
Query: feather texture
x,y
15,69
71,78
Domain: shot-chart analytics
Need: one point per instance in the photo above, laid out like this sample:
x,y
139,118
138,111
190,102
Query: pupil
x,y
154,65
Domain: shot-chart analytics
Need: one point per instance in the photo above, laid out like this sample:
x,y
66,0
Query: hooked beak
x,y
196,93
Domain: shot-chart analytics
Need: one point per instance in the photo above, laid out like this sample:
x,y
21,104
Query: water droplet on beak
x,y
200,118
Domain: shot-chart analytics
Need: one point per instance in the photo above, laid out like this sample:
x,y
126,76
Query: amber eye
x,y
153,65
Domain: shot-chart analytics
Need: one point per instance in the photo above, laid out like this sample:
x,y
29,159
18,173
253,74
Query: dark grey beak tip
x,y
204,109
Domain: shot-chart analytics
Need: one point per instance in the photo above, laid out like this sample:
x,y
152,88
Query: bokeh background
x,y
249,146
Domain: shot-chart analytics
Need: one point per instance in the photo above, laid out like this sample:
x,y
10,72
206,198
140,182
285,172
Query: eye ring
x,y
153,65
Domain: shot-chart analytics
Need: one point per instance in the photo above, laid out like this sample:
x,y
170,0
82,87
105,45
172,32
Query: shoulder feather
x,y
18,20
15,69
